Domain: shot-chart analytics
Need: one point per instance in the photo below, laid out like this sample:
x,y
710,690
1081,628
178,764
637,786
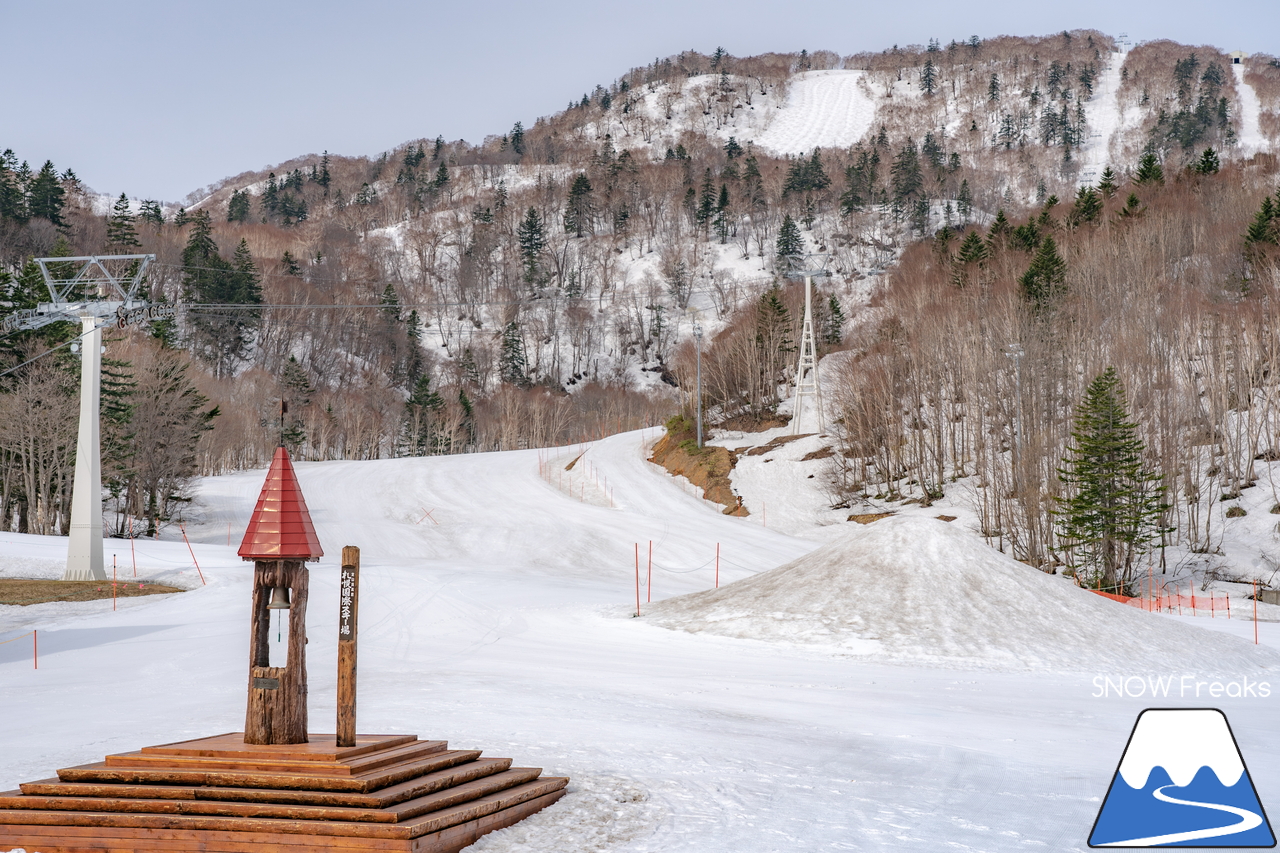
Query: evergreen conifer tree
x,y
238,206
45,196
833,327
928,77
1132,207
13,204
1208,164
532,241
722,215
579,213
1107,186
790,247
122,237
1113,504
1149,170
296,392
1044,282
908,180
1088,206
289,264
512,364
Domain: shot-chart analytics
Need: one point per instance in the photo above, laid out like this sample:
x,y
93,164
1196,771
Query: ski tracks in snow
x,y
825,109
1251,139
1102,111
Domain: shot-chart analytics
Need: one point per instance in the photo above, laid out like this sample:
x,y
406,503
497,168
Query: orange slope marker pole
x,y
183,528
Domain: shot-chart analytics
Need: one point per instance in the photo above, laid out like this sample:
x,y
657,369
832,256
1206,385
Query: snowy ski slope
x,y
825,109
1104,118
1251,139
496,611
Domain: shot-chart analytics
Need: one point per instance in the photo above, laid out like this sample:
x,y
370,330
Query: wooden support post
x,y
277,710
348,607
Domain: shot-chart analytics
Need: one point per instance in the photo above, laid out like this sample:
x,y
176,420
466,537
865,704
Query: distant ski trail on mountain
x,y
1251,139
825,109
1248,820
1102,114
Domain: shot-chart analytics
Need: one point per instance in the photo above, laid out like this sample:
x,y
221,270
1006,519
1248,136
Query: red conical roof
x,y
281,527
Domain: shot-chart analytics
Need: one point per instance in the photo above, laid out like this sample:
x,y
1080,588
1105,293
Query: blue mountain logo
x,y
1182,783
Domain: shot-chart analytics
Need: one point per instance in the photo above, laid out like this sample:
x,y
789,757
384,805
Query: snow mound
x,y
597,813
923,590
825,109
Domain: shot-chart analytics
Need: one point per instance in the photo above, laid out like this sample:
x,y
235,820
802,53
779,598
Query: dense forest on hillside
x,y
542,286
984,341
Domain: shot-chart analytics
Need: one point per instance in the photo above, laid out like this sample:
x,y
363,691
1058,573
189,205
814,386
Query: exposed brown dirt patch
x,y
820,453
868,517
708,467
24,591
776,443
751,423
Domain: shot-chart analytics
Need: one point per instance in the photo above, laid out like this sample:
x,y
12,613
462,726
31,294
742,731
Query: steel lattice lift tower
x,y
95,291
807,384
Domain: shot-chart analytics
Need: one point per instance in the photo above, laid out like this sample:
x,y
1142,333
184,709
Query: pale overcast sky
x,y
158,99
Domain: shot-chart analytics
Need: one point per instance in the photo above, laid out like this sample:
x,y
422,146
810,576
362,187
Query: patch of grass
x,y
24,591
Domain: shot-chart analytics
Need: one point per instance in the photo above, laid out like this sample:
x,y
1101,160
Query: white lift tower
x,y
95,291
807,384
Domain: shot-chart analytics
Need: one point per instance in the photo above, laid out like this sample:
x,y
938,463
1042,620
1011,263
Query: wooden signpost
x,y
348,602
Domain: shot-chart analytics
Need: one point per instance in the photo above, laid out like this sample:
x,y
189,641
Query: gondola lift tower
x,y
96,291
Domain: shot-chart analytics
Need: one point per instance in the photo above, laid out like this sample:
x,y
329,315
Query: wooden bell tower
x,y
279,539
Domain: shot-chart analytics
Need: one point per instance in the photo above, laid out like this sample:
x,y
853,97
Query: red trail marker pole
x,y
183,528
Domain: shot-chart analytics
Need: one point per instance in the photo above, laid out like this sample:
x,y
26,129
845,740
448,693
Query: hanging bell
x,y
279,598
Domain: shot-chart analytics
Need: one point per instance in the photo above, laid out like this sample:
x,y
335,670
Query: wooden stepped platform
x,y
221,795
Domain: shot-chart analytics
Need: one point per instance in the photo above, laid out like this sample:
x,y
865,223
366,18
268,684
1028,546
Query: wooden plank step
x,y
322,747
468,766
445,818
363,783
463,793
426,824
451,796
79,839
58,839
351,767
455,838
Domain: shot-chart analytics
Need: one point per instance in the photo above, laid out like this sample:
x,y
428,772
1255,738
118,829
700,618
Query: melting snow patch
x,y
922,590
598,813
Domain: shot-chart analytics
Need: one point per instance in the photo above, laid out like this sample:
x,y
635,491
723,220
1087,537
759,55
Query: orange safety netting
x,y
1189,603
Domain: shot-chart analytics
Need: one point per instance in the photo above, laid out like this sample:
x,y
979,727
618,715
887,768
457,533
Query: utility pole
x,y
697,338
95,291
